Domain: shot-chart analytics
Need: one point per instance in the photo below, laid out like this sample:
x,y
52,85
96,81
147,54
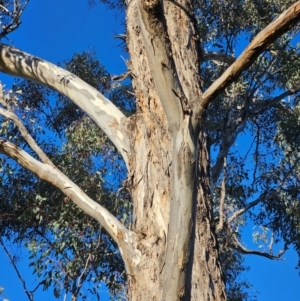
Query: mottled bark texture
x,y
168,158
171,251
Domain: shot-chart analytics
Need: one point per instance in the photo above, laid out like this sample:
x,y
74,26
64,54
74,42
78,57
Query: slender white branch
x,y
266,37
5,9
31,142
55,177
82,276
238,213
106,115
125,239
270,246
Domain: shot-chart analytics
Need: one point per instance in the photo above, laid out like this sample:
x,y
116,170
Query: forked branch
x,y
266,37
240,248
9,114
125,239
13,16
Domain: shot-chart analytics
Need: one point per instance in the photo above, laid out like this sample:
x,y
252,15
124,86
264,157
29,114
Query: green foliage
x,y
255,124
256,106
69,250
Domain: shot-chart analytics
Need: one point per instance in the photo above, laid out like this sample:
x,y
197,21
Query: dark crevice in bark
x,y
164,47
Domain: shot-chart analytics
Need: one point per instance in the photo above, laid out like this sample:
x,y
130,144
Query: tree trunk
x,y
207,278
171,253
168,160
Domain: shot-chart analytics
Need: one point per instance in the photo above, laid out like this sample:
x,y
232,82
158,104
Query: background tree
x,y
253,106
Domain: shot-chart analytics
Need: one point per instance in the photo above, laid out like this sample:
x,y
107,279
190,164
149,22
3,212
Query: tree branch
x,y
266,37
31,142
81,279
15,16
125,239
239,247
219,58
104,113
264,196
264,105
222,200
12,260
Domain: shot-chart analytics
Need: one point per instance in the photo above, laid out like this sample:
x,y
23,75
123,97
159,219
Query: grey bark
x,y
171,252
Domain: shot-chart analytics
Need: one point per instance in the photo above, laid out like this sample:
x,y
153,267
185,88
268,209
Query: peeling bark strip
x,y
171,254
164,48
150,35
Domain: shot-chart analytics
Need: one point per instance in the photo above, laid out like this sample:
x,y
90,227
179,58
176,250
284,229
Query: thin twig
x,y
82,274
270,246
262,41
227,141
239,247
25,134
264,196
222,200
29,294
256,152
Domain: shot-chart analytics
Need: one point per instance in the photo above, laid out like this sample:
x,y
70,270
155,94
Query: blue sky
x,y
54,30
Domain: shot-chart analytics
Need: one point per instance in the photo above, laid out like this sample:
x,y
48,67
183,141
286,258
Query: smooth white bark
x,y
104,113
125,239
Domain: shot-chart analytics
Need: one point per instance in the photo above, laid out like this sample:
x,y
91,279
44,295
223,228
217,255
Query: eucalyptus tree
x,y
69,252
190,186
